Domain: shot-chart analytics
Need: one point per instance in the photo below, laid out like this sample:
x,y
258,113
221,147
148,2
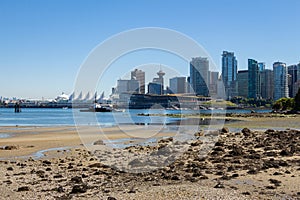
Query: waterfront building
x,y
229,73
253,79
280,80
139,75
267,84
242,82
199,75
292,79
177,85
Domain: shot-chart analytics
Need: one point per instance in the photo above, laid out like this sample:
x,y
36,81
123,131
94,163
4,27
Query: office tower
x,y
178,85
267,84
213,82
261,66
154,88
127,86
199,75
293,77
139,75
253,79
280,80
229,73
242,82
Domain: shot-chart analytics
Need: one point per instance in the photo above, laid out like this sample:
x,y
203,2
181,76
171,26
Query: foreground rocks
x,y
243,165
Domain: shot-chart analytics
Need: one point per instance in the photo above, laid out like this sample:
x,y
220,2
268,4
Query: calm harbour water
x,y
64,117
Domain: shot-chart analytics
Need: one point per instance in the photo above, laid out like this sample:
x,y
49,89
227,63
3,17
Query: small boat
x,y
99,108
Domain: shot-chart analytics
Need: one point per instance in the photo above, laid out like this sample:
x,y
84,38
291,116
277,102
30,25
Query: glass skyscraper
x,y
229,73
280,80
199,75
253,79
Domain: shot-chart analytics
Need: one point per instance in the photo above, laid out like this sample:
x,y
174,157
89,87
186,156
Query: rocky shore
x,y
240,165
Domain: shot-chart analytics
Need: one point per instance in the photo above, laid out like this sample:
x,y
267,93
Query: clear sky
x,y
43,43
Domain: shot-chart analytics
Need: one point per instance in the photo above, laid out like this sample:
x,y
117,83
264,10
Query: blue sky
x,y
43,43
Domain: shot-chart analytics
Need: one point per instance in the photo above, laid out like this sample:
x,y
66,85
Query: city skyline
x,y
45,43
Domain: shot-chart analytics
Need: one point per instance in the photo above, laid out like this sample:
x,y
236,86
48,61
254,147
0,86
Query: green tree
x,y
284,104
297,101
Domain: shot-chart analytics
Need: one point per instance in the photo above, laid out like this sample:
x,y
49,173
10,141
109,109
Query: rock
x,y
167,140
76,179
269,131
246,193
175,178
277,173
225,130
275,182
10,147
23,188
111,198
10,169
136,163
196,143
236,150
47,162
270,187
79,189
219,185
58,176
165,151
60,189
99,142
246,132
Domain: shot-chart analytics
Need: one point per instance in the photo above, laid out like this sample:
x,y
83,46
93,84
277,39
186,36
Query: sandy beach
x,y
243,163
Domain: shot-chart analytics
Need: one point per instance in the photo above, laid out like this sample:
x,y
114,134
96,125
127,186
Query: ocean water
x,y
65,117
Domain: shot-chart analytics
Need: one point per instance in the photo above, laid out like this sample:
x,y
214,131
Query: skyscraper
x,y
261,66
229,73
267,84
213,82
242,82
280,80
199,75
292,71
253,79
139,75
178,85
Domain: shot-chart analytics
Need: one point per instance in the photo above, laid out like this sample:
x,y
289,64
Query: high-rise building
x,y
242,82
139,75
213,82
199,75
267,84
178,85
253,79
280,80
293,77
154,88
261,66
124,86
229,73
